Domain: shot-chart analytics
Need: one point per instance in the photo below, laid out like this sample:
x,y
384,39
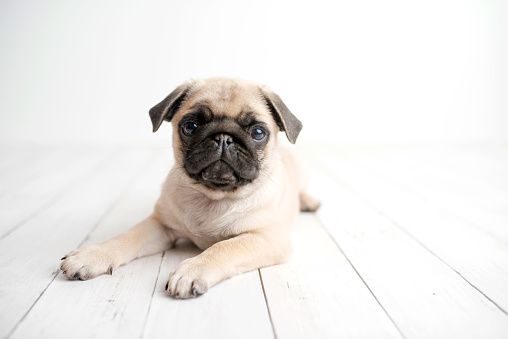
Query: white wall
x,y
368,71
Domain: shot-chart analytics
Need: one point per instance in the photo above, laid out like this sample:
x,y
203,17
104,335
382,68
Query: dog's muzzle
x,y
219,163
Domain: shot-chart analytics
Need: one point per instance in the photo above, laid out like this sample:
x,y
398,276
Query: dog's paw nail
x,y
167,285
110,270
63,258
177,294
64,272
194,292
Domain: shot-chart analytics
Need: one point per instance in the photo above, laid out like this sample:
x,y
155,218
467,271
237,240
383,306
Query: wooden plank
x,y
461,174
490,162
16,158
107,306
494,157
28,163
235,308
421,293
33,162
49,178
29,257
318,294
480,258
469,197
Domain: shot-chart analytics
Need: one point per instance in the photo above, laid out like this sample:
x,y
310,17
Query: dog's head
x,y
224,130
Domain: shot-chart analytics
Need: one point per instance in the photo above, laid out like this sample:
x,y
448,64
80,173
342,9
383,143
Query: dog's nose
x,y
224,139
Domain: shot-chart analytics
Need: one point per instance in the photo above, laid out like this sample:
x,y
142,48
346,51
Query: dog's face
x,y
224,130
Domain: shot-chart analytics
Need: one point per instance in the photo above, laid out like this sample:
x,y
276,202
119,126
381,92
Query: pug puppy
x,y
233,191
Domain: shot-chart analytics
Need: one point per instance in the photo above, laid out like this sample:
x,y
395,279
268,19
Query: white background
x,y
352,71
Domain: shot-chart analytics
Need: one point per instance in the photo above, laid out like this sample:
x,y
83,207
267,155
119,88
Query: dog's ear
x,y
166,109
286,121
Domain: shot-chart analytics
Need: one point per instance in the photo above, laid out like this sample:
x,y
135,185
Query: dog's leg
x,y
146,238
243,253
308,203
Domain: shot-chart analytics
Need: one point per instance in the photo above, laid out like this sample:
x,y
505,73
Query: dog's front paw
x,y
86,263
190,279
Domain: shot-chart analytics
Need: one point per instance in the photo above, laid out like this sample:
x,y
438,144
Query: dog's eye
x,y
257,134
189,127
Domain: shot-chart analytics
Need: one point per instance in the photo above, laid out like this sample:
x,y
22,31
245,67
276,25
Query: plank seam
x,y
31,307
266,303
151,300
359,275
57,197
409,234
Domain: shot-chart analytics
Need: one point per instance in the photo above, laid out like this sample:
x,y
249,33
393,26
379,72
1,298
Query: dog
x,y
233,191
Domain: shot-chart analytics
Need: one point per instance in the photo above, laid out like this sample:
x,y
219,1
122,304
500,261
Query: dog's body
x,y
207,221
233,190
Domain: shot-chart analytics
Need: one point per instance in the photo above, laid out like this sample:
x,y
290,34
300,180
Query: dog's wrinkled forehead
x,y
229,99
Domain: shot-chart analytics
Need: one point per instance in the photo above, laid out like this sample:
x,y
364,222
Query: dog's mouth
x,y
219,172
220,175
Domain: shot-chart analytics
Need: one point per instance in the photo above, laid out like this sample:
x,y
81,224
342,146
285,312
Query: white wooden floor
x,y
411,242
